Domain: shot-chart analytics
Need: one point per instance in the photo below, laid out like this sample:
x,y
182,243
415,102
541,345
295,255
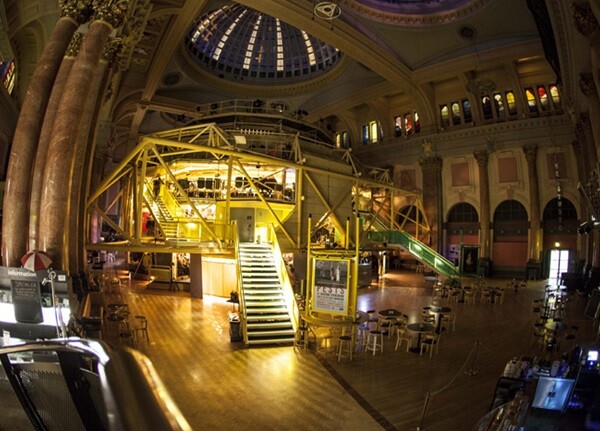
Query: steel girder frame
x,y
153,149
383,209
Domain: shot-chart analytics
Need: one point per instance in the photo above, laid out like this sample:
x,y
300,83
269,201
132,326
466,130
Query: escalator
x,y
79,384
416,248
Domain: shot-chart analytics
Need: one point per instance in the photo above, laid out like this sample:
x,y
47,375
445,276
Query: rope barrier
x,y
472,352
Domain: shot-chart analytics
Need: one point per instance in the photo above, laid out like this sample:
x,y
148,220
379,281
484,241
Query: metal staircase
x,y
268,319
165,220
163,217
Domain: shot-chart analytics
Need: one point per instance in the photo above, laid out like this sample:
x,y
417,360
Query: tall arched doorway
x,y
509,248
560,225
462,228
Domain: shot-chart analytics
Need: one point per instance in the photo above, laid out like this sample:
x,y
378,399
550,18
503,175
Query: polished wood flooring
x,y
222,385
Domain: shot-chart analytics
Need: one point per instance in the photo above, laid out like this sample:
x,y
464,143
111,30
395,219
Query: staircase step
x,y
288,332
268,325
267,317
267,303
265,341
254,296
266,310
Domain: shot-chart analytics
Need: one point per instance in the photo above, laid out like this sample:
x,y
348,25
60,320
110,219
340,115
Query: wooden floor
x,y
222,385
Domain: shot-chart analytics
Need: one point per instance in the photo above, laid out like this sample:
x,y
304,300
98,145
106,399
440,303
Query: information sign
x,y
330,287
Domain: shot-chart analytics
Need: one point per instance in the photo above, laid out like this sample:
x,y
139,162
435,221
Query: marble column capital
x,y
585,21
79,11
431,163
112,12
530,152
482,158
587,84
113,52
74,45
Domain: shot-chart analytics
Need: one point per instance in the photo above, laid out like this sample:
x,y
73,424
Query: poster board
x,y
26,297
330,285
592,310
469,259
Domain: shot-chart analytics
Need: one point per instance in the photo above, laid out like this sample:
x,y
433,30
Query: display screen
x,y
592,356
552,393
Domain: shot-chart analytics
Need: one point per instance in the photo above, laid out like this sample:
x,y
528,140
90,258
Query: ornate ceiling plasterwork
x,y
420,17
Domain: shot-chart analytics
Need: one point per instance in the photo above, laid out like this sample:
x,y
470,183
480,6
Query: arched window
x,y
486,104
456,119
511,102
543,96
408,123
510,219
416,122
445,115
560,217
462,218
398,126
8,75
462,213
555,96
468,114
499,105
531,102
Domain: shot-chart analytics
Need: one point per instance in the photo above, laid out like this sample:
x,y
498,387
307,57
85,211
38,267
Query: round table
x,y
419,328
390,312
439,312
555,326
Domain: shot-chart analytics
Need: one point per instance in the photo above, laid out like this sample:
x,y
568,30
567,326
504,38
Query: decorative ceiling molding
x,y
6,52
389,16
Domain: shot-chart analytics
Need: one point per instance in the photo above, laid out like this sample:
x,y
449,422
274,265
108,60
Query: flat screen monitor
x,y
552,393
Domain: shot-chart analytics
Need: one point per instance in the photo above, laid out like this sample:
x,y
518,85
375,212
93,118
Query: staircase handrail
x,y
238,269
284,278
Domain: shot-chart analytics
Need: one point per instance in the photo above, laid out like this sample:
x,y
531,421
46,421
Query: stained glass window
x,y
543,96
445,115
511,102
467,112
531,102
8,75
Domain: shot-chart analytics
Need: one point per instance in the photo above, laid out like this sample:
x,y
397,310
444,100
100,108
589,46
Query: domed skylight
x,y
236,42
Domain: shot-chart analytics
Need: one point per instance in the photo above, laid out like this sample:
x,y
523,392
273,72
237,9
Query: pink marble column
x,y
82,147
45,135
484,214
55,207
535,226
25,140
432,197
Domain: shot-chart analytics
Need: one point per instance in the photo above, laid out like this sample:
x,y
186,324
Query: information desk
x,y
31,331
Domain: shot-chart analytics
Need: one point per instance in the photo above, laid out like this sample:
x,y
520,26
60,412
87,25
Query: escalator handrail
x,y
133,393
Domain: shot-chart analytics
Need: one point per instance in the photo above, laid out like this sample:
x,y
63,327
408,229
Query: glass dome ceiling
x,y
236,42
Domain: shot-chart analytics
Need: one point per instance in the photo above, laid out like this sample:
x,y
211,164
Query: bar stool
x,y
372,319
362,332
344,347
126,334
301,337
142,326
386,325
375,342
